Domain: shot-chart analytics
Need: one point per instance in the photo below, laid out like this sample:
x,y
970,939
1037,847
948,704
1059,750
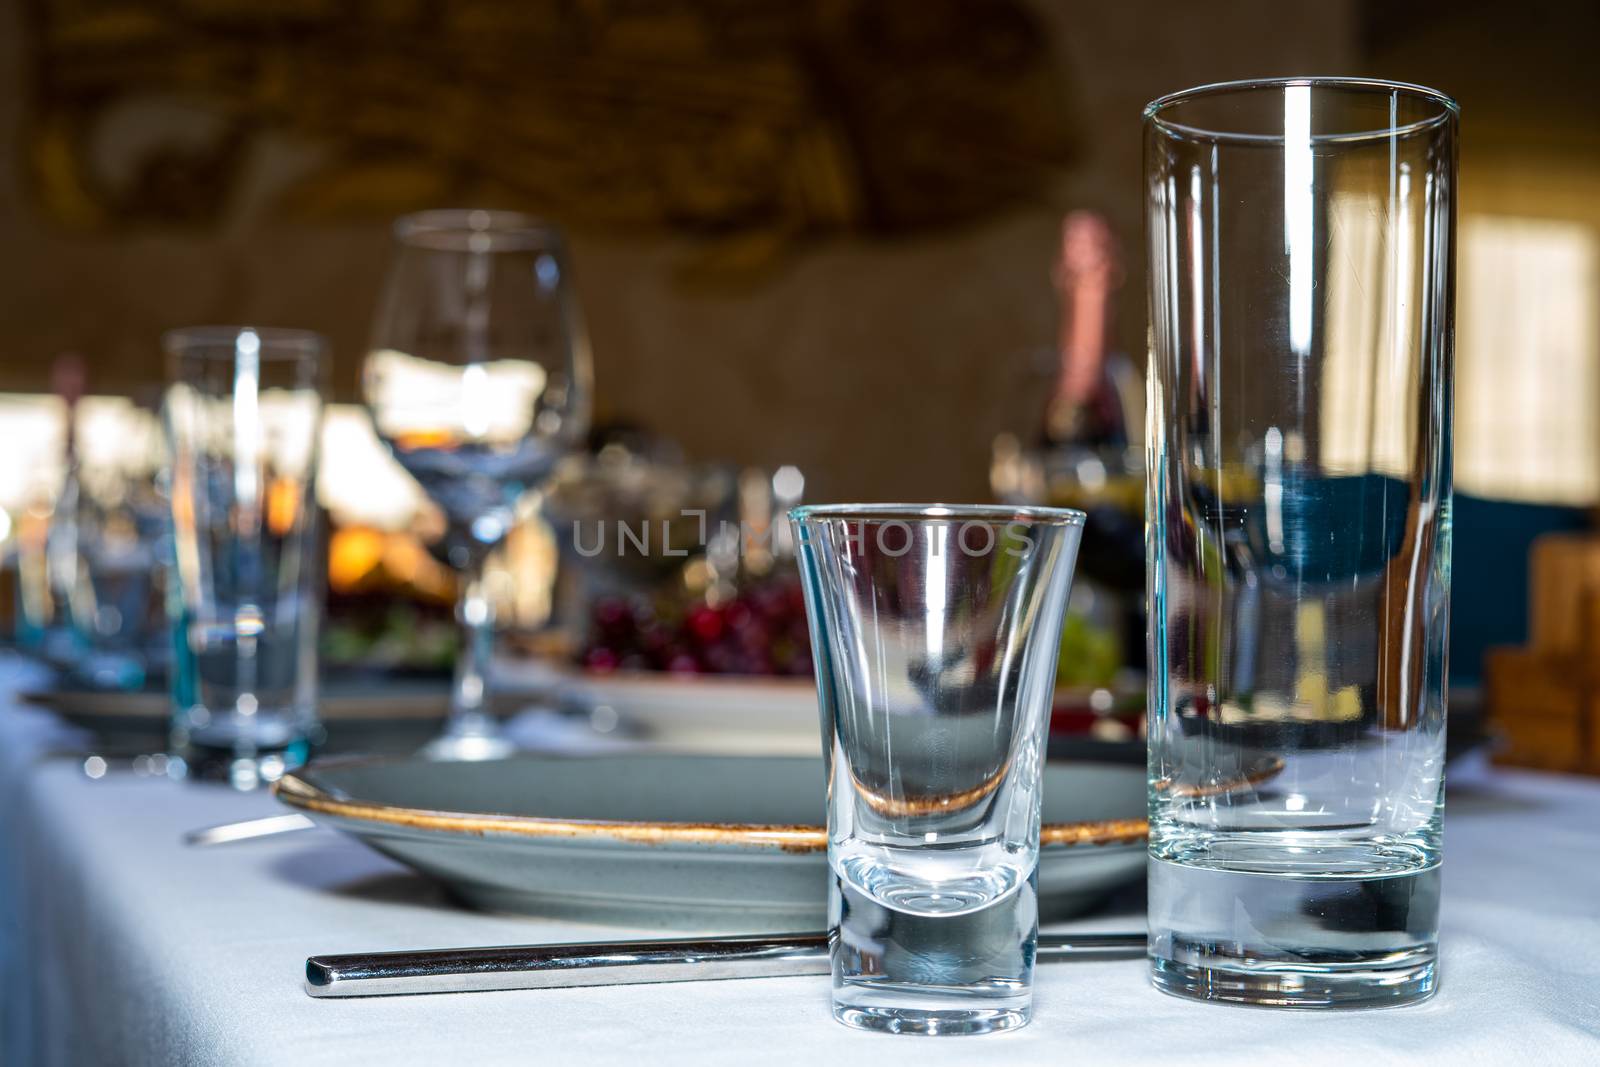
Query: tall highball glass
x,y
243,417
1301,303
935,633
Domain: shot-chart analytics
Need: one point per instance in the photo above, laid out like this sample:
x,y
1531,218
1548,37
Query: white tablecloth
x,y
120,945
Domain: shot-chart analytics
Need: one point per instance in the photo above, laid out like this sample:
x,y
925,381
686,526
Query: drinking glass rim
x,y
1448,109
1030,513
277,343
476,230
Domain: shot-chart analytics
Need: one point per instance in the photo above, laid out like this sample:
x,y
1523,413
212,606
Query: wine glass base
x,y
472,746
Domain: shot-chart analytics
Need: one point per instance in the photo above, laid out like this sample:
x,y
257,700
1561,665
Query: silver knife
x,y
465,970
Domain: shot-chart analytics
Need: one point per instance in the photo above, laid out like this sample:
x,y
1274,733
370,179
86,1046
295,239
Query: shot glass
x,y
243,415
935,632
1302,294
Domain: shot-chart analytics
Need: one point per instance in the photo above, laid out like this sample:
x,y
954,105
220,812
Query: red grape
x,y
600,660
760,631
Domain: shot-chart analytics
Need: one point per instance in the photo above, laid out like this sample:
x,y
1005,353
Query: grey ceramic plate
x,y
667,840
361,713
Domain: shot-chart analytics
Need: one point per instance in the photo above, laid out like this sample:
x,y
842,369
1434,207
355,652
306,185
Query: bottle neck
x,y
67,380
1086,277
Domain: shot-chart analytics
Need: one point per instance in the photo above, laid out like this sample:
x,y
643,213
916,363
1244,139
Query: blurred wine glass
x,y
477,379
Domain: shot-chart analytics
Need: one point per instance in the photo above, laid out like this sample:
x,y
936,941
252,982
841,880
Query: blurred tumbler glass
x,y
935,632
1301,290
114,521
243,413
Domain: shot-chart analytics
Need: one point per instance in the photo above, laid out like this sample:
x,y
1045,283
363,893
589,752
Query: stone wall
x,y
879,355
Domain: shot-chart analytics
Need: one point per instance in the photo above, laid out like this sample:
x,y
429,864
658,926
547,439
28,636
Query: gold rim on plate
x,y
296,792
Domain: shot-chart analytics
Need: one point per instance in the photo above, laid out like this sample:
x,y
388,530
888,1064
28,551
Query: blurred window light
x,y
1527,372
30,464
1528,360
115,438
357,480
491,401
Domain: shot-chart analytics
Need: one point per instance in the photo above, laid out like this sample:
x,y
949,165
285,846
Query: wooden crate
x,y
1563,587
1542,708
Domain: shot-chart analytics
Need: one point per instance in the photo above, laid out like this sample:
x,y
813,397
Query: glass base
x,y
1255,982
111,670
469,746
932,1023
1334,940
903,973
243,771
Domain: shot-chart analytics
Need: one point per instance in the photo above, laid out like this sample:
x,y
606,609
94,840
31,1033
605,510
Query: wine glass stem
x,y
469,699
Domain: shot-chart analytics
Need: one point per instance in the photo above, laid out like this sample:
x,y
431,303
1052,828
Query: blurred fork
x,y
248,830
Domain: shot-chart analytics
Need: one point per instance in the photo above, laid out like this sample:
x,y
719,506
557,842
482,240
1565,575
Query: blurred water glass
x,y
120,542
91,544
41,626
631,522
243,416
935,631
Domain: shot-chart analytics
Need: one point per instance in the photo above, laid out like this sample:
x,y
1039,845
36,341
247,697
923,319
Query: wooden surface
x,y
1544,700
